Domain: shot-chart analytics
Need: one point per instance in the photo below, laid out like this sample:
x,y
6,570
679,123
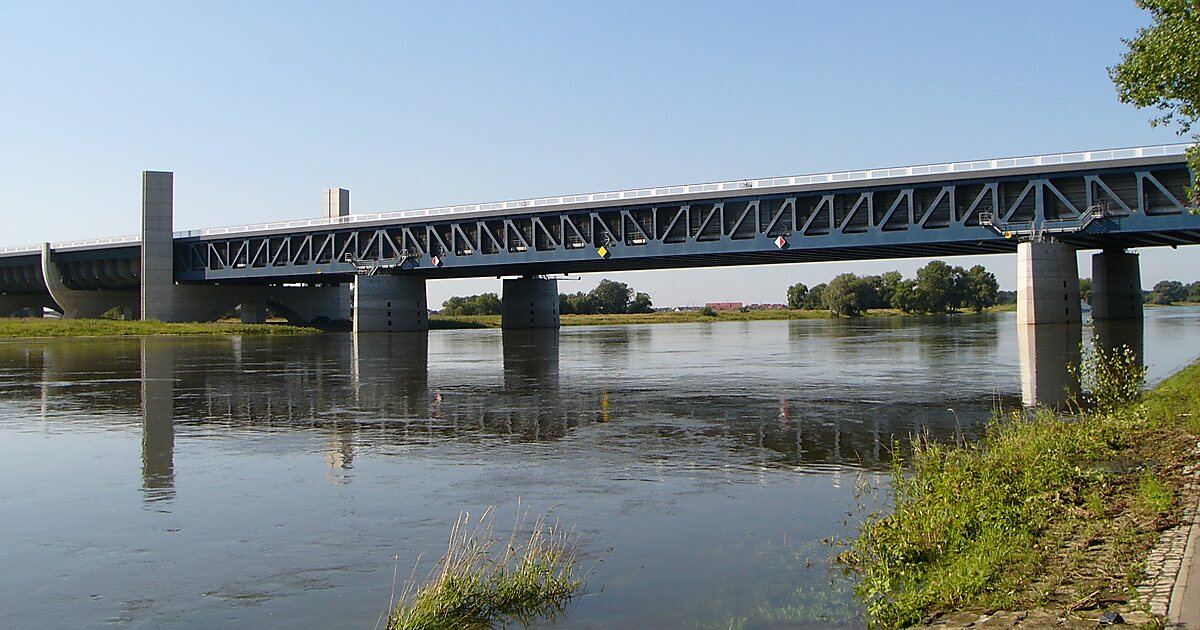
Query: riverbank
x,y
672,317
30,327
1052,516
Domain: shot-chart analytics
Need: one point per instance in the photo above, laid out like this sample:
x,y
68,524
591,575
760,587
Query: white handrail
x,y
742,184
663,191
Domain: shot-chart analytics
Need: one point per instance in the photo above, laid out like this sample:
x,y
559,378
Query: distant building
x,y
767,307
724,306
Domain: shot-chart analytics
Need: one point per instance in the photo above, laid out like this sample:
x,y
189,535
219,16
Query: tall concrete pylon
x,y
158,246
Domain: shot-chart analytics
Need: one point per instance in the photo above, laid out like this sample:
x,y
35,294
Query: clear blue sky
x,y
258,107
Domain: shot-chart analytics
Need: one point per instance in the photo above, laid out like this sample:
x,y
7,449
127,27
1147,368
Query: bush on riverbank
x,y
473,586
39,327
1045,510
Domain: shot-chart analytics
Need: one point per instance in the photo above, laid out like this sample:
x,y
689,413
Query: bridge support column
x,y
254,311
530,303
1116,285
1047,284
389,304
158,247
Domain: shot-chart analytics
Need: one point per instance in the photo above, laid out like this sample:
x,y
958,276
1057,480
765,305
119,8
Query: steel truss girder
x,y
940,215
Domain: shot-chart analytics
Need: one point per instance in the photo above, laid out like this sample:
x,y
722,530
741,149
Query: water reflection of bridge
x,y
376,392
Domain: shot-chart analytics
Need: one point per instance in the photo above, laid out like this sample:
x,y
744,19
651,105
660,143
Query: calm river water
x,y
282,482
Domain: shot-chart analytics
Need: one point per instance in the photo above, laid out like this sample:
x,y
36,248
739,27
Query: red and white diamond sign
x,y
437,261
781,242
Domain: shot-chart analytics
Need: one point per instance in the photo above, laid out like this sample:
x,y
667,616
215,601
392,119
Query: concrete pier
x,y
530,303
1116,285
386,303
1047,284
158,247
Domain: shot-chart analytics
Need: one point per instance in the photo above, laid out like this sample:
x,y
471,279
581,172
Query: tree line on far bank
x,y
938,288
609,297
1164,292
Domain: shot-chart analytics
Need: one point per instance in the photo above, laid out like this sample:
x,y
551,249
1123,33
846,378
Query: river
x,y
284,481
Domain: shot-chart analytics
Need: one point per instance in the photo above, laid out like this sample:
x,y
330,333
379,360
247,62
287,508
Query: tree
x,y
981,288
575,304
796,294
941,285
814,299
641,304
611,297
1193,292
1168,292
909,297
844,295
1085,290
483,304
888,283
1161,69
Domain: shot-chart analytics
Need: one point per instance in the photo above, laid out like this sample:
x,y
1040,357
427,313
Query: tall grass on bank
x,y
477,585
33,327
974,525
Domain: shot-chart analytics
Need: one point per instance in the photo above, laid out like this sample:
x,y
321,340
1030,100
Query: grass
x,y
661,317
476,585
1045,510
38,327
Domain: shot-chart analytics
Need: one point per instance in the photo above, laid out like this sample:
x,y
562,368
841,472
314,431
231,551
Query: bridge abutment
x,y
80,304
1116,285
22,305
1047,284
530,303
386,303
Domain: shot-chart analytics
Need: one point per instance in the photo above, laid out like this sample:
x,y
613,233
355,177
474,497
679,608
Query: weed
x,y
474,585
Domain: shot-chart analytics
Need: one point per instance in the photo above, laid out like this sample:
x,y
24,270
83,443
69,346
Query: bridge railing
x,y
638,194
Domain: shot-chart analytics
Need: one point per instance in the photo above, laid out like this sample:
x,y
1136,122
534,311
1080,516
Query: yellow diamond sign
x,y
603,251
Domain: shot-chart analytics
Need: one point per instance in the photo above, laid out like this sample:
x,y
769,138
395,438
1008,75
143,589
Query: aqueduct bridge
x,y
372,268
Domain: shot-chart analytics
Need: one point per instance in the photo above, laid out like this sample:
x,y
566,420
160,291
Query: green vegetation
x,y
608,298
1161,69
474,585
702,314
938,288
39,327
484,304
1044,511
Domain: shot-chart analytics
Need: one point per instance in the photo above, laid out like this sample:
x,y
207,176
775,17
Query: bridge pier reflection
x,y
1111,334
158,418
1047,352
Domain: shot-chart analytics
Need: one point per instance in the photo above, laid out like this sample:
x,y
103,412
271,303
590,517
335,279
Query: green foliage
x,y
1161,69
979,288
611,297
815,298
707,311
1169,292
1110,379
941,285
844,295
641,304
1085,290
967,520
796,295
483,304
474,585
38,327
607,298
1152,495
